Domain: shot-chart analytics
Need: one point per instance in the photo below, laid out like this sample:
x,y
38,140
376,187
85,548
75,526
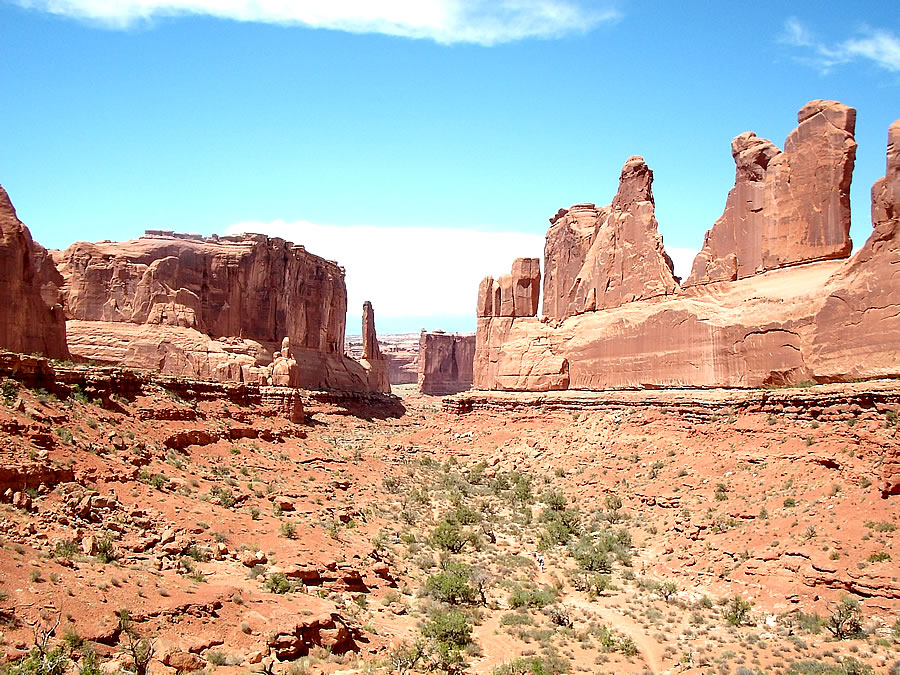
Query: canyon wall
x,y
208,307
33,320
445,362
774,318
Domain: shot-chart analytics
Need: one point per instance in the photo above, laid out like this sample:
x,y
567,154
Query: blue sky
x,y
421,143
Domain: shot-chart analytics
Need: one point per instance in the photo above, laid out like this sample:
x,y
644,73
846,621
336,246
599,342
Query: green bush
x,y
534,665
452,585
846,619
737,611
532,597
448,629
42,662
278,583
451,537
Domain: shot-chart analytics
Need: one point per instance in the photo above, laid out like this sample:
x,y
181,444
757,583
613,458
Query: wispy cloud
x,y
485,22
881,47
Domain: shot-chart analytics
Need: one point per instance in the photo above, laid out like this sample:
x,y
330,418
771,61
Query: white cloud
x,y
485,22
682,258
881,47
415,271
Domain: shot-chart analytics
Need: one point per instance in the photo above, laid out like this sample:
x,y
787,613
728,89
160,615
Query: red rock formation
x,y
571,233
372,359
208,307
371,351
626,260
514,294
445,362
28,323
786,207
829,321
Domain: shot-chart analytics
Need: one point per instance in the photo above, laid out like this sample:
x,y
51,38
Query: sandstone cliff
x,y
833,320
208,307
786,207
445,362
32,319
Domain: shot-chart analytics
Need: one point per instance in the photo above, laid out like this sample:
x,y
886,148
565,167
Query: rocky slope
x,y
199,517
33,320
829,320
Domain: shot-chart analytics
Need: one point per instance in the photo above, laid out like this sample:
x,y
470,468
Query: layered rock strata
x,y
832,320
446,362
786,207
208,307
32,317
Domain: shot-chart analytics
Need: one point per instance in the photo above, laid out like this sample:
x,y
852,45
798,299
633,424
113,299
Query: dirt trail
x,y
493,643
649,649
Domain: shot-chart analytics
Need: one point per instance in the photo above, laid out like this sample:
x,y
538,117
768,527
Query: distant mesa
x,y
772,298
446,362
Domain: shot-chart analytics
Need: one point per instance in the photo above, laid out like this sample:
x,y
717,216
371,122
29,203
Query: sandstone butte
x,y
445,362
773,298
213,308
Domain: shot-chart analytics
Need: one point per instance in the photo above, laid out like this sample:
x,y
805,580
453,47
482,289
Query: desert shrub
x,y
278,583
846,619
41,661
533,665
449,536
9,390
538,598
737,611
106,550
880,556
288,530
451,629
452,585
224,495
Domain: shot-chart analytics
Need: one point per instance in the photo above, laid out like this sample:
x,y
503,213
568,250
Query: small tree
x,y
737,611
452,585
846,619
667,589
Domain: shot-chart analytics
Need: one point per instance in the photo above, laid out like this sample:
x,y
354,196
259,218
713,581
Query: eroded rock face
x,y
514,294
835,320
445,362
31,319
252,286
601,258
372,359
786,207
214,307
571,233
